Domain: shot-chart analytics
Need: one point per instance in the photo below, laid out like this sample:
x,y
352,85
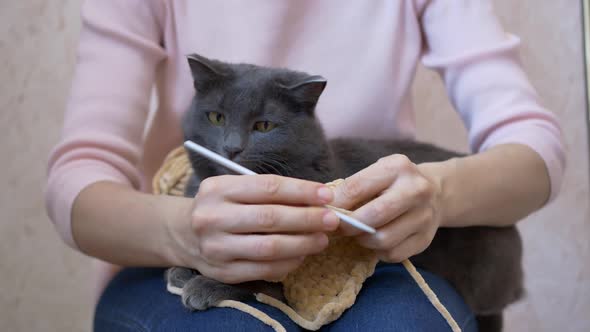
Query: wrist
x,y
175,222
443,176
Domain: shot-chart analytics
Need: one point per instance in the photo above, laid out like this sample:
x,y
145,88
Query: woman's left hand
x,y
403,204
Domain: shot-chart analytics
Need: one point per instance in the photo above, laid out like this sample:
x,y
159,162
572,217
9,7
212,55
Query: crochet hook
x,y
244,171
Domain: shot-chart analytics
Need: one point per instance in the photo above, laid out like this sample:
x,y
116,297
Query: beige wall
x,y
44,285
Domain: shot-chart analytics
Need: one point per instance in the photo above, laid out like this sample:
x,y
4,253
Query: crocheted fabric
x,y
322,288
325,285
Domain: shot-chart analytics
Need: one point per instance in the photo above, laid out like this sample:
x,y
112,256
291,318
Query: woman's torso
x,y
367,50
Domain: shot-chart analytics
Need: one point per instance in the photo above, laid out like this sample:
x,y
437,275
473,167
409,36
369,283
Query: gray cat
x,y
482,263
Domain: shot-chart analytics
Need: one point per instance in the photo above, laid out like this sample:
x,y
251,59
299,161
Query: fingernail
x,y
325,194
330,220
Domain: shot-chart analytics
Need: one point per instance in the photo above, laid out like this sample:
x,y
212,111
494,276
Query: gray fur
x,y
200,293
482,263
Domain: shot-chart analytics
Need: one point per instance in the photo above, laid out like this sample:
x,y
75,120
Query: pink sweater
x,y
368,51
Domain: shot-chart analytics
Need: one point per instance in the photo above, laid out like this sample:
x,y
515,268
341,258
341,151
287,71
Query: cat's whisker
x,y
283,170
275,158
265,170
285,166
276,171
262,170
261,163
271,159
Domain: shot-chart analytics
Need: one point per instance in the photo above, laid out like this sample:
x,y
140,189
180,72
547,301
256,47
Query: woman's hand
x,y
259,227
402,204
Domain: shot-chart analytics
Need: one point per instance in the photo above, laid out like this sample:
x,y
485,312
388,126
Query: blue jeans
x,y
137,300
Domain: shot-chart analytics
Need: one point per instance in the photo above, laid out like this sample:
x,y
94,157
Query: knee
x,y
391,300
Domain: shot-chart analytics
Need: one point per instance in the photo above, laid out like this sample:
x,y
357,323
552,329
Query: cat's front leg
x,y
192,186
177,277
200,293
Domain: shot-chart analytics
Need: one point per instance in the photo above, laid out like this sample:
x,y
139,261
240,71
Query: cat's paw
x,y
201,293
178,276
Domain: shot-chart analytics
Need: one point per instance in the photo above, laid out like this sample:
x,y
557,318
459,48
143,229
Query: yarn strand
x,y
431,295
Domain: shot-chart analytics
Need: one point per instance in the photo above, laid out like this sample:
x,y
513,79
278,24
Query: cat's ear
x,y
306,91
205,72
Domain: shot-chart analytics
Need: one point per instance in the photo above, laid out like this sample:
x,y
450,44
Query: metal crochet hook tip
x,y
244,171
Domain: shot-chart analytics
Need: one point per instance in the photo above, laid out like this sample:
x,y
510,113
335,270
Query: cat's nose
x,y
232,151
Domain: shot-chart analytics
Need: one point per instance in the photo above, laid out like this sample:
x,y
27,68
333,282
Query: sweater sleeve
x,y
119,49
479,64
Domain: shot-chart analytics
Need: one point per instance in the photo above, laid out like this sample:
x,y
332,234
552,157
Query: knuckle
x,y
312,245
270,184
268,272
351,188
386,163
428,215
267,248
198,223
397,162
208,186
421,218
379,210
202,221
266,217
403,162
422,187
311,216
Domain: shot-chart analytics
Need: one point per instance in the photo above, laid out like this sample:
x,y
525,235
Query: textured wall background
x,y
45,286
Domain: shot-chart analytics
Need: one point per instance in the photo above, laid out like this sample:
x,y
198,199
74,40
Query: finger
x,y
409,247
369,182
385,208
266,247
267,189
393,233
281,219
390,205
242,271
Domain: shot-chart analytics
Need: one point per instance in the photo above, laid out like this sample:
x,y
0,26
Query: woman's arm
x,y
238,228
479,63
123,226
497,187
118,52
519,158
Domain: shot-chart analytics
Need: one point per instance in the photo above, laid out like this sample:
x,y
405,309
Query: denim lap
x,y
137,300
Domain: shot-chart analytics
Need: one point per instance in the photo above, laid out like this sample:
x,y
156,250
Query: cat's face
x,y
262,118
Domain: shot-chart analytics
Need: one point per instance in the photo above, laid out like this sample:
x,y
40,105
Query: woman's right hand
x,y
254,227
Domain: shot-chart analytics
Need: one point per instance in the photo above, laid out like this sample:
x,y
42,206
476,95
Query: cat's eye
x,y
216,118
264,126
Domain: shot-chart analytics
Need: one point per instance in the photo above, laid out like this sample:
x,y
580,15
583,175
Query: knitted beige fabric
x,y
322,288
325,285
